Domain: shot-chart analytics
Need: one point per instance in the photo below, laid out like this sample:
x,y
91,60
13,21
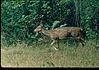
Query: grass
x,y
45,56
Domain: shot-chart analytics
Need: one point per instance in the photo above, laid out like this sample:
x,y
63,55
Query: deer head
x,y
39,28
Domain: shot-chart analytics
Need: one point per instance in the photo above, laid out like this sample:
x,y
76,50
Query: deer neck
x,y
45,32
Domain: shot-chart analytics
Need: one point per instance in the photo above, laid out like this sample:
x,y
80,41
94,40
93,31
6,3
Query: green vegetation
x,y
20,46
45,56
21,17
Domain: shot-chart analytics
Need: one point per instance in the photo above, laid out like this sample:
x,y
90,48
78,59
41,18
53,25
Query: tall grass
x,y
42,55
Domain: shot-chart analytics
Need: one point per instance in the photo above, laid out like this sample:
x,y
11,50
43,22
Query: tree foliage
x,y
20,17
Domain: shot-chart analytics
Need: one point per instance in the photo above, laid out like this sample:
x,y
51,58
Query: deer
x,y
61,33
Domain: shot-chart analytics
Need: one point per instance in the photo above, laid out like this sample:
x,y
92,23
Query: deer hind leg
x,y
81,41
76,42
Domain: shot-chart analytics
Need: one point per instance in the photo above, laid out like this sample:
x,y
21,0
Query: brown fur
x,y
61,33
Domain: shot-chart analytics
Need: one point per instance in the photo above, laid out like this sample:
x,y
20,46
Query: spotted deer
x,y
61,33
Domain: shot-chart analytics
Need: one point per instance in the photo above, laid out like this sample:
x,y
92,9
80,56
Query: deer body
x,y
61,33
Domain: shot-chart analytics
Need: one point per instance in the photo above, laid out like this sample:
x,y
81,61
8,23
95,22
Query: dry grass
x,y
45,56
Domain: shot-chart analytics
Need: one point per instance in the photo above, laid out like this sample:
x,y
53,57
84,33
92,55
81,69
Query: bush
x,y
20,17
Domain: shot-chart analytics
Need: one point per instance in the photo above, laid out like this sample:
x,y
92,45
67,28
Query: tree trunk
x,y
77,12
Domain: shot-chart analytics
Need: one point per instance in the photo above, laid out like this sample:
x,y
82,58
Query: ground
x,y
42,55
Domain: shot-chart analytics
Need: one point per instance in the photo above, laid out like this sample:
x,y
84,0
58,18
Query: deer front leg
x,y
53,41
